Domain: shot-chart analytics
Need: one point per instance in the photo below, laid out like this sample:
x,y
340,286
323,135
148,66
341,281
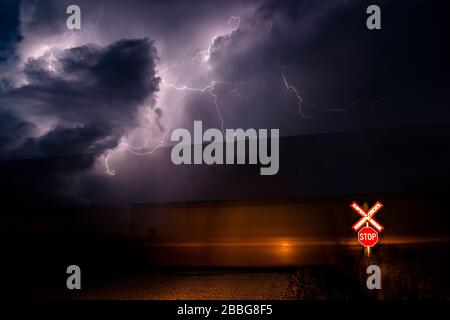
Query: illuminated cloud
x,y
106,91
89,93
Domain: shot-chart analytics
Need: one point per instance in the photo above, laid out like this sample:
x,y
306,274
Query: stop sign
x,y
368,237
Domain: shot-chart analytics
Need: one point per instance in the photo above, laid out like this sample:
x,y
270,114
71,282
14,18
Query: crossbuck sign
x,y
367,216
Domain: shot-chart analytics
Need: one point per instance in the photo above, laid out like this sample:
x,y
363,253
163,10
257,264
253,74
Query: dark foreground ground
x,y
418,272
186,285
407,273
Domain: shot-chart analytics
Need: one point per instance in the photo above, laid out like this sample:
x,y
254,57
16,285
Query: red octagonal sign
x,y
368,237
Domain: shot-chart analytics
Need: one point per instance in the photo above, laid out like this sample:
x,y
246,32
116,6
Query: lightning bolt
x,y
163,142
212,89
370,103
51,57
208,89
234,88
298,96
202,56
47,50
109,171
139,151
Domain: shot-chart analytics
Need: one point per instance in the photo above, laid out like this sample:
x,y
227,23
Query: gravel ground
x,y
187,285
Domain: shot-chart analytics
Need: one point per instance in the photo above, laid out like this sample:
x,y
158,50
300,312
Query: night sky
x,y
86,115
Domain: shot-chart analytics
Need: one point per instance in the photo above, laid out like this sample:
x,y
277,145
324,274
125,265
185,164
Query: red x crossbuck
x,y
367,216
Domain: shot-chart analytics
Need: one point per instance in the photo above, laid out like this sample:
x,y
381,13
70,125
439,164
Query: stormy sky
x,y
86,115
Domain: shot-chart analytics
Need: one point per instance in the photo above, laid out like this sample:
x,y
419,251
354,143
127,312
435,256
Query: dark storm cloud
x,y
44,17
12,129
80,140
328,54
9,29
323,48
273,35
349,77
333,60
93,95
91,98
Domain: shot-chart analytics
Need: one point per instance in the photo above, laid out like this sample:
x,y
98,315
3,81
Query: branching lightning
x,y
370,103
143,150
210,89
213,89
298,96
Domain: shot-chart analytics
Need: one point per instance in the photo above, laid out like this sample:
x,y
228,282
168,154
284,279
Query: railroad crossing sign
x,y
367,216
367,236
